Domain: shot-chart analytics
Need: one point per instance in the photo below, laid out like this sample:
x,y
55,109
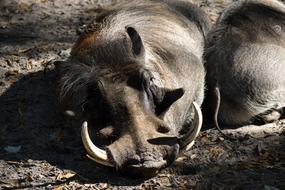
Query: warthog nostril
x,y
163,129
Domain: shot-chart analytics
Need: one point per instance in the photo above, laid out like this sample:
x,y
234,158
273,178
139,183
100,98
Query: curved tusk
x,y
188,139
96,154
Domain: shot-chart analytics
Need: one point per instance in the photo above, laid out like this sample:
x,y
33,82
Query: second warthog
x,y
245,61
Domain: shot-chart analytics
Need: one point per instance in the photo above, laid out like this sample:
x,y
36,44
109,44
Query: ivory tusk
x,y
96,154
188,139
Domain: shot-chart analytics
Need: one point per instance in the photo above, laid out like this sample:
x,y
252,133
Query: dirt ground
x,y
39,149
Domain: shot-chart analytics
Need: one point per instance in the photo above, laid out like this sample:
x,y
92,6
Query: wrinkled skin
x,y
246,62
133,76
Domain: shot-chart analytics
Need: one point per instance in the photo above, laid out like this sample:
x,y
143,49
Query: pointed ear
x,y
169,98
137,44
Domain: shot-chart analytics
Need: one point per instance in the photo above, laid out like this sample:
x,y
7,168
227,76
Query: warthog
x,y
245,57
137,77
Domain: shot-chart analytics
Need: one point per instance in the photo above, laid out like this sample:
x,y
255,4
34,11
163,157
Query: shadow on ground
x,y
31,118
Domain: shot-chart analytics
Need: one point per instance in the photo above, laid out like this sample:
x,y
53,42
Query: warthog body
x,y
246,63
137,77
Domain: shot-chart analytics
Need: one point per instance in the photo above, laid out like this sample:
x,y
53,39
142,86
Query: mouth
x,y
147,169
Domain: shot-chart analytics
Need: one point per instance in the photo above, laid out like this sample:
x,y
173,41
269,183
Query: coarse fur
x,y
134,74
245,60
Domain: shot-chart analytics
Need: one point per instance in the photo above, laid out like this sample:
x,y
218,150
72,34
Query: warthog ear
x,y
137,44
170,96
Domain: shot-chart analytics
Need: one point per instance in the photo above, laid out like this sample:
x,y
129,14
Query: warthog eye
x,y
156,93
160,98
